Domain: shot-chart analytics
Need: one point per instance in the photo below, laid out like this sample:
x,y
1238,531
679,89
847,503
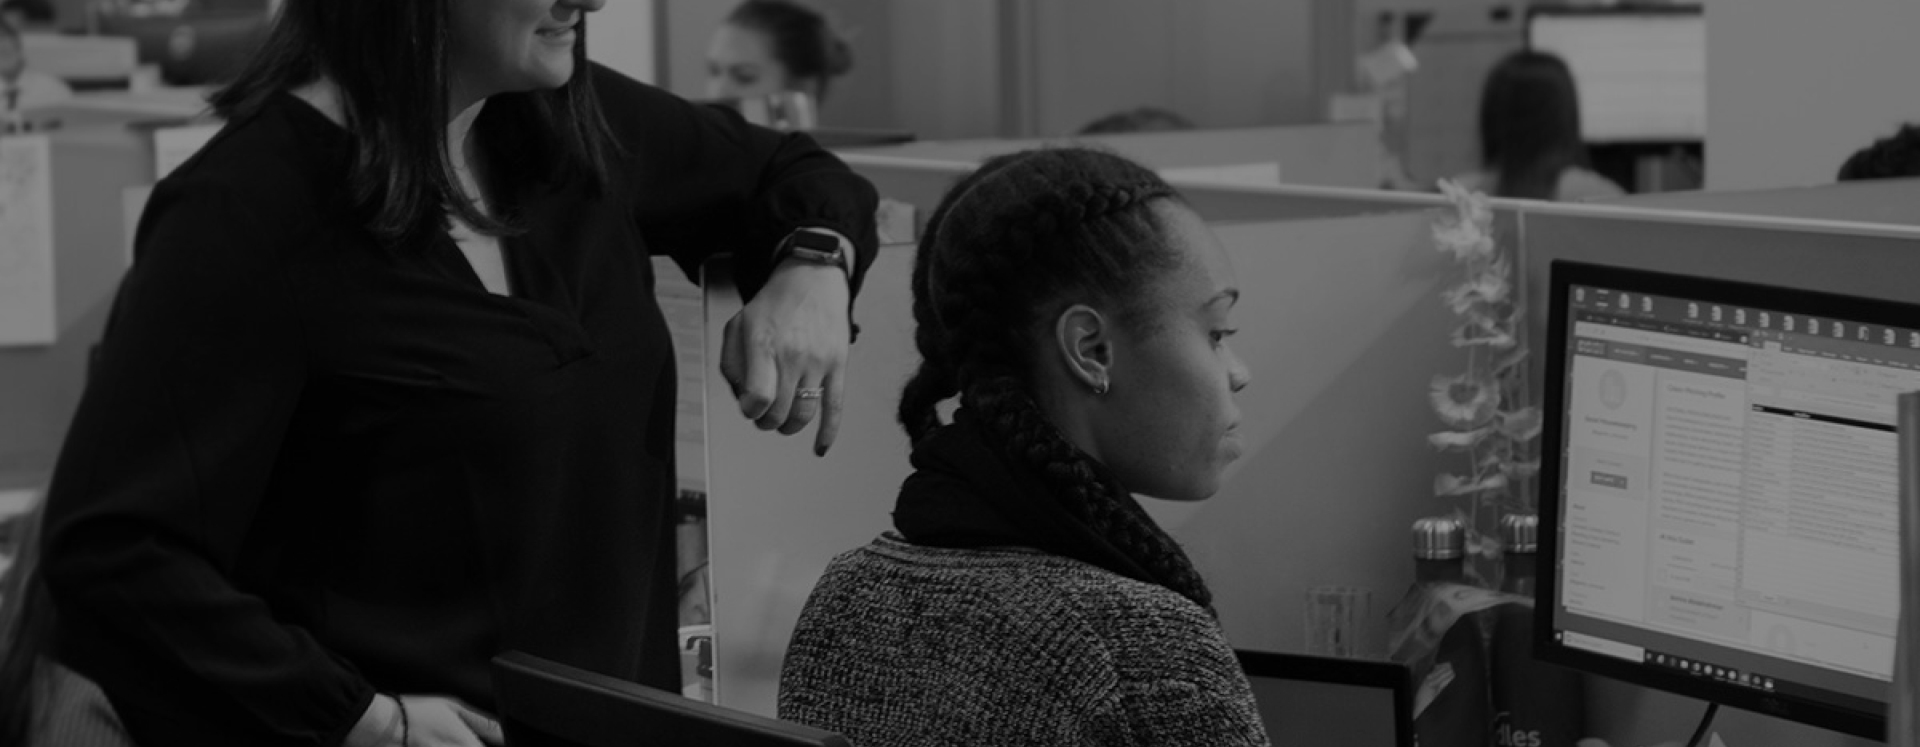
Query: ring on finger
x,y
810,393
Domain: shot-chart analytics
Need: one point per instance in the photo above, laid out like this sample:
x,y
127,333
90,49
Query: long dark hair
x,y
26,631
1010,244
389,60
800,37
1530,125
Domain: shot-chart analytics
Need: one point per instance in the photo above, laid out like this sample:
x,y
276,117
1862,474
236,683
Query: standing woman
x,y
387,392
1530,141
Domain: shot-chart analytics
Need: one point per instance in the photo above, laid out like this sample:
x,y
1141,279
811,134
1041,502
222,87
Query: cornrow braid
x,y
1082,486
1025,233
934,382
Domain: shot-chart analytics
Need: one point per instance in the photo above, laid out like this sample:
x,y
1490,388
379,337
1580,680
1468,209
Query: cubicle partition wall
x,y
1307,171
1342,325
1325,155
920,182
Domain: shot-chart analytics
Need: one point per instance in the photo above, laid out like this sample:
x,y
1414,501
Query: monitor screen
x,y
1719,471
1641,73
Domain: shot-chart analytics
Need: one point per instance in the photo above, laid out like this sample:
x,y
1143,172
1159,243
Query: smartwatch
x,y
816,246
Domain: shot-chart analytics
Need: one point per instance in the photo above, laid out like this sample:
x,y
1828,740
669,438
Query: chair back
x,y
543,703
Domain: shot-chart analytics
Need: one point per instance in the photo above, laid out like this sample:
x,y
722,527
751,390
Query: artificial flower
x,y
1451,485
1466,240
1464,401
1481,288
1482,329
1458,440
1521,425
1521,469
1473,206
1510,361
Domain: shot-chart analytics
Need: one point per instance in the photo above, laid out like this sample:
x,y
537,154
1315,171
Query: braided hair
x,y
1010,245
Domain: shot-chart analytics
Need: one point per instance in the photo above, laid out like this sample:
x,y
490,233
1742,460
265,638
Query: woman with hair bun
x,y
1080,311
775,46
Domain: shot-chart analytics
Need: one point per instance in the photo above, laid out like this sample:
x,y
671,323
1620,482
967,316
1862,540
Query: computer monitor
x,y
1325,700
543,703
1641,71
1719,475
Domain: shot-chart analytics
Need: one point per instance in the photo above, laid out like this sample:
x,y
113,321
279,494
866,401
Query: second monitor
x,y
1719,474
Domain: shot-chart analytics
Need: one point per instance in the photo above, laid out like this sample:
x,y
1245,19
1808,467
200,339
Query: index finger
x,y
759,374
483,725
832,400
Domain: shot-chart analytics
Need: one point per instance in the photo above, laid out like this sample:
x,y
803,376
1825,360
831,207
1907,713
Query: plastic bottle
x,y
1453,670
1535,704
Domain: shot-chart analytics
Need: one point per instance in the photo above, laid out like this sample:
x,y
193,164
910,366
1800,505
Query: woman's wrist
x,y
379,726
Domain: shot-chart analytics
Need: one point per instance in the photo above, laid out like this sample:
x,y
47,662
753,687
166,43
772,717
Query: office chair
x,y
1327,700
546,704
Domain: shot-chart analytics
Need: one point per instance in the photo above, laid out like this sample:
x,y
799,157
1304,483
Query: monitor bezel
x,y
1371,673
1563,275
539,697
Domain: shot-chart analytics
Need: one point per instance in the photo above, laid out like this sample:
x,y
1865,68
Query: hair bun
x,y
837,58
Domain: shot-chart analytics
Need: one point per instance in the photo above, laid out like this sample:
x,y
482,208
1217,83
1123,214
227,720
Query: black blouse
x,y
307,467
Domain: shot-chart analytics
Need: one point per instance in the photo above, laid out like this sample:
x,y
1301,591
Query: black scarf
x,y
966,492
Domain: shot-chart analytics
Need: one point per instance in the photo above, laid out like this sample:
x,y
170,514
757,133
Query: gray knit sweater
x,y
904,645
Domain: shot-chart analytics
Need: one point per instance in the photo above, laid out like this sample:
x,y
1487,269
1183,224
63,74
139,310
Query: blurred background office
x,y
21,86
1048,68
1724,95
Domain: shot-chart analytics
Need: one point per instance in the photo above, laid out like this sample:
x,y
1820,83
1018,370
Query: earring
x,y
1100,389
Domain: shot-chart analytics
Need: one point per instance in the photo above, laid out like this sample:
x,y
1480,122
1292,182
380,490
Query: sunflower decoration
x,y
1488,423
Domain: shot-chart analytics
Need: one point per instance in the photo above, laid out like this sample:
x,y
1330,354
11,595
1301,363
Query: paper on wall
x,y
172,146
26,241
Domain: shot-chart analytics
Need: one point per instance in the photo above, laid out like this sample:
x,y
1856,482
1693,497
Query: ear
x,y
1083,342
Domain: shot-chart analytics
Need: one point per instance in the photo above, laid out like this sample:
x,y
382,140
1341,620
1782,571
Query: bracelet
x,y
404,726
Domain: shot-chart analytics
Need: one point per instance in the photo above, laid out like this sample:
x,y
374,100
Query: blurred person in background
x,y
1895,156
1139,119
20,88
26,14
775,46
1530,141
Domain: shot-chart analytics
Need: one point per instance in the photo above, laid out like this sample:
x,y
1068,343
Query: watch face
x,y
816,242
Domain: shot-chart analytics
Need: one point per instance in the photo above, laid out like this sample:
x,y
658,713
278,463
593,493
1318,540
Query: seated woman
x,y
1080,311
1530,141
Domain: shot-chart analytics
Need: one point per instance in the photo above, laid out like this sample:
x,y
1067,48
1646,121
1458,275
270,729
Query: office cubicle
x,y
1342,325
1338,464
1316,170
